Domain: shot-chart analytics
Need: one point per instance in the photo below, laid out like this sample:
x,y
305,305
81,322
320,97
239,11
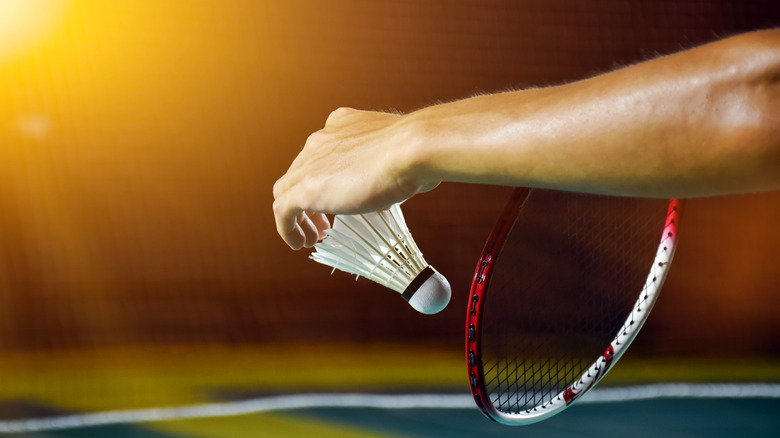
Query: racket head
x,y
562,287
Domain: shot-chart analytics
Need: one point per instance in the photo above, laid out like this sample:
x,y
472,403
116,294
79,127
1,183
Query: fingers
x,y
321,222
299,229
296,228
329,176
310,233
313,226
287,225
293,224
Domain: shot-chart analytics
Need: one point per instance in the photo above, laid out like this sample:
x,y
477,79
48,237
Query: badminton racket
x,y
563,286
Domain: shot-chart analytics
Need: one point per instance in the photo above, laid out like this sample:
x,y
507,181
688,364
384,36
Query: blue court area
x,y
669,418
641,419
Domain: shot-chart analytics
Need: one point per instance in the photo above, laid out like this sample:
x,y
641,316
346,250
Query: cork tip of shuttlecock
x,y
432,296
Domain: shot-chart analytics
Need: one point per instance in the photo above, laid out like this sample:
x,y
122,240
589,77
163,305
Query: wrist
x,y
462,141
416,164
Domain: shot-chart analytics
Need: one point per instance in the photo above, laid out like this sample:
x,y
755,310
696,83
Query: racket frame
x,y
598,369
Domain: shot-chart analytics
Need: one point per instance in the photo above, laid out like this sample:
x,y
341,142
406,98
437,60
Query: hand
x,y
359,162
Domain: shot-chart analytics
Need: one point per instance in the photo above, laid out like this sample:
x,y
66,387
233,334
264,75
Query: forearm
x,y
701,122
698,123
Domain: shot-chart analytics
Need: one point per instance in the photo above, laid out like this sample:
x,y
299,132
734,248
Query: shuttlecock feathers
x,y
380,247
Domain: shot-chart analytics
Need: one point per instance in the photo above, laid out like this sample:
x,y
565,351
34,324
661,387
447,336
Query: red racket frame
x,y
479,287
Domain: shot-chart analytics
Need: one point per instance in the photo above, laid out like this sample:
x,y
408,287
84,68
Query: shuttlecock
x,y
380,247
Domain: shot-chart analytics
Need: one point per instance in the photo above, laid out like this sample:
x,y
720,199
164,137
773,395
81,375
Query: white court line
x,y
682,390
406,401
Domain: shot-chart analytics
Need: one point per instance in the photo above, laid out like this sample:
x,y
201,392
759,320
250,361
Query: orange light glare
x,y
25,23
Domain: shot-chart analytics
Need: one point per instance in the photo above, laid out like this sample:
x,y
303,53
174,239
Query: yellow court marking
x,y
260,425
147,377
631,371
132,378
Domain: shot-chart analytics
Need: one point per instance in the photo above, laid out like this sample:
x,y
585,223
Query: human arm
x,y
702,122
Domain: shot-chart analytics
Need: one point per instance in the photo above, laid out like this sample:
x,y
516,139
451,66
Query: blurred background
x,y
139,142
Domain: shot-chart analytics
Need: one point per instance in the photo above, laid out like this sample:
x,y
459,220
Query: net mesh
x,y
567,278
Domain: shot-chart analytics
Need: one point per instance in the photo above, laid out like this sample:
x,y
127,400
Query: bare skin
x,y
702,122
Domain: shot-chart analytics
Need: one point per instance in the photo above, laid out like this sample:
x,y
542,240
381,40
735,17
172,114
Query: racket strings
x,y
580,280
527,384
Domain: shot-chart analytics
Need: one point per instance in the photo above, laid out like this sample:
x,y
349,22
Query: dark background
x,y
140,141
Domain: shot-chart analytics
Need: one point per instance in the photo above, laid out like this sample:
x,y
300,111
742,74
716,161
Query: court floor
x,y
357,391
669,418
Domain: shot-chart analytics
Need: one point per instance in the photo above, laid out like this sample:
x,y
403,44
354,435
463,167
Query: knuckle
x,y
315,139
278,209
338,114
285,211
